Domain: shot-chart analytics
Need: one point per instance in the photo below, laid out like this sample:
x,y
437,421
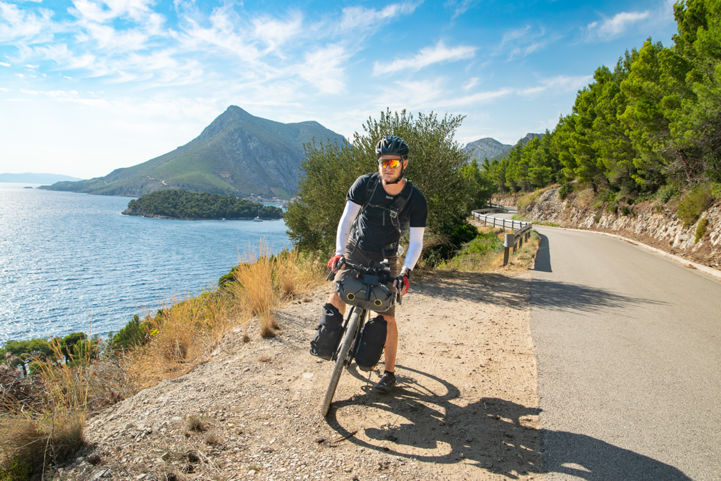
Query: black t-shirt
x,y
375,229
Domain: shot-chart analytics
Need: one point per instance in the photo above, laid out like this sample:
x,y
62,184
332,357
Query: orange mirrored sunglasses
x,y
392,163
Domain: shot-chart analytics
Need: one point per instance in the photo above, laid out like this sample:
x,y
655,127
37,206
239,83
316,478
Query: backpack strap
x,y
394,210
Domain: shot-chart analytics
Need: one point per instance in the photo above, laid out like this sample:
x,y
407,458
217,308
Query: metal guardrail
x,y
492,208
520,230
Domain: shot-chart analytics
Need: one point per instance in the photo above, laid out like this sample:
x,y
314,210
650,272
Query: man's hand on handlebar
x,y
334,264
402,282
334,261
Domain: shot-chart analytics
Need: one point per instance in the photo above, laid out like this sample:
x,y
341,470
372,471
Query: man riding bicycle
x,y
378,205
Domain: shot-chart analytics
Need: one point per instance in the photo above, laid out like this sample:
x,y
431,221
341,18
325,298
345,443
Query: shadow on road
x,y
491,434
515,292
543,255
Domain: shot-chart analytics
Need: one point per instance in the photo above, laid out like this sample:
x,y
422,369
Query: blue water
x,y
71,262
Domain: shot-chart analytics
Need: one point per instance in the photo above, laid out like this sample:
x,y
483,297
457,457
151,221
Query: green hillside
x,y
179,204
237,154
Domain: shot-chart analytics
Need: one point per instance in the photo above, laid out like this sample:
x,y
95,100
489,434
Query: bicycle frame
x,y
353,325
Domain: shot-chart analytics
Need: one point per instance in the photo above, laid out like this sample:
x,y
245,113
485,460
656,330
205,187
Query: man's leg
x,y
391,347
388,380
335,300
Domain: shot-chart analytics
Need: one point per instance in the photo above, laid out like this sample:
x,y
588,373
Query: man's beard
x,y
396,180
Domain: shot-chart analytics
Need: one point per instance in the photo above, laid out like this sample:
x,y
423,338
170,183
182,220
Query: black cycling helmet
x,y
392,145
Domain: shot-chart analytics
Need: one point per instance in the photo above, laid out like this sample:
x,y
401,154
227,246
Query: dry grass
x,y
187,331
196,424
33,439
295,274
255,291
182,336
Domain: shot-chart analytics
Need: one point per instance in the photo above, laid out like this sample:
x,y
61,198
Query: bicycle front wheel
x,y
345,348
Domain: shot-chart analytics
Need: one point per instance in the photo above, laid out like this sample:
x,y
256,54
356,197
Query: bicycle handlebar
x,y
382,268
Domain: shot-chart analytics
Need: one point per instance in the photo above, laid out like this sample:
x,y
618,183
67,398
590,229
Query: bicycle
x,y
374,279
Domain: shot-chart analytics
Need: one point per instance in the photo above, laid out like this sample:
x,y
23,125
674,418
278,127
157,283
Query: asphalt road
x,y
629,360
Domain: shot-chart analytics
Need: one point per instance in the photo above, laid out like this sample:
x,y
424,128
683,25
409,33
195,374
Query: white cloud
x,y
276,33
323,68
522,42
472,82
106,10
425,57
616,25
28,27
557,83
477,98
459,7
223,34
109,39
4,64
360,17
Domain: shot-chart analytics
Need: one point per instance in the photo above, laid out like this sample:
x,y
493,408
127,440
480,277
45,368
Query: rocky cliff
x,y
650,222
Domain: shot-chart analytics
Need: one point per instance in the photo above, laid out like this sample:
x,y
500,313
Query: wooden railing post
x,y
507,243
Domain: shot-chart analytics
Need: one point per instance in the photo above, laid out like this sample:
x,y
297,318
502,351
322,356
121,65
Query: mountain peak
x,y
237,154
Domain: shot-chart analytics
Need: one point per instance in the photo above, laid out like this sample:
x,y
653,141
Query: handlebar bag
x,y
365,291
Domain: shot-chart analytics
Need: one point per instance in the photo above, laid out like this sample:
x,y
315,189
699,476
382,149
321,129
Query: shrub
x,y
484,243
701,229
666,192
564,190
463,233
133,334
476,255
694,203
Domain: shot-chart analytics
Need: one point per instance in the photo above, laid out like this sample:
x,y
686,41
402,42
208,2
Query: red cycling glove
x,y
403,283
333,262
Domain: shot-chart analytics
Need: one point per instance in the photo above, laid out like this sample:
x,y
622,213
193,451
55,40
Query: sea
x,y
72,262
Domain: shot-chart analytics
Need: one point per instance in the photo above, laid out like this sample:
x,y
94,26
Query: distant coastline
x,y
33,178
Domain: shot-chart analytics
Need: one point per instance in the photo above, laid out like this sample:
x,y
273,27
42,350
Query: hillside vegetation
x,y
180,204
650,126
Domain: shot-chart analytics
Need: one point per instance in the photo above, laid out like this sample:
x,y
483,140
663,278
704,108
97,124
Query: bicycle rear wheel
x,y
348,340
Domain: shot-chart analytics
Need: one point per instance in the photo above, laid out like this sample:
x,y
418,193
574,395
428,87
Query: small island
x,y
181,204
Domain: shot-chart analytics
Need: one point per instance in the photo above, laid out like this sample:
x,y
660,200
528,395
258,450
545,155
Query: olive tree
x,y
435,167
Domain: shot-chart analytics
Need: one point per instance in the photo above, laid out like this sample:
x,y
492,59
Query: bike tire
x,y
345,348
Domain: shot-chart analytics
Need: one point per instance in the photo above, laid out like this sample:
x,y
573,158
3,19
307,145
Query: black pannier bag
x,y
330,331
370,345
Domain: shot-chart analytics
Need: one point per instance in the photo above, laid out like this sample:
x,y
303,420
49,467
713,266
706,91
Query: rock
x,y
102,474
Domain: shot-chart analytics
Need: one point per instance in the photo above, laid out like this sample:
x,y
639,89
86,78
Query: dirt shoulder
x,y
466,406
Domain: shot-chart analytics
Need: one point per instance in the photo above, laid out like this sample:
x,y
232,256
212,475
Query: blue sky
x,y
87,86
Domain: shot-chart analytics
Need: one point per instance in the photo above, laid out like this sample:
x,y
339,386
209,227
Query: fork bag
x,y
370,346
330,331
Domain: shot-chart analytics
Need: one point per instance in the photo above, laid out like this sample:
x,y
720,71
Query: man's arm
x,y
415,245
344,224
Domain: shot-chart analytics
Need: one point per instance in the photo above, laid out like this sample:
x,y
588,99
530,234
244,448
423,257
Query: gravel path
x,y
466,406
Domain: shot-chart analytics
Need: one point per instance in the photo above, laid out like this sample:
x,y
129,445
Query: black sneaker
x,y
385,385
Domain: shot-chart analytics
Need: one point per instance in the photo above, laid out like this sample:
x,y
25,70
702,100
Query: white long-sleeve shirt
x,y
350,212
